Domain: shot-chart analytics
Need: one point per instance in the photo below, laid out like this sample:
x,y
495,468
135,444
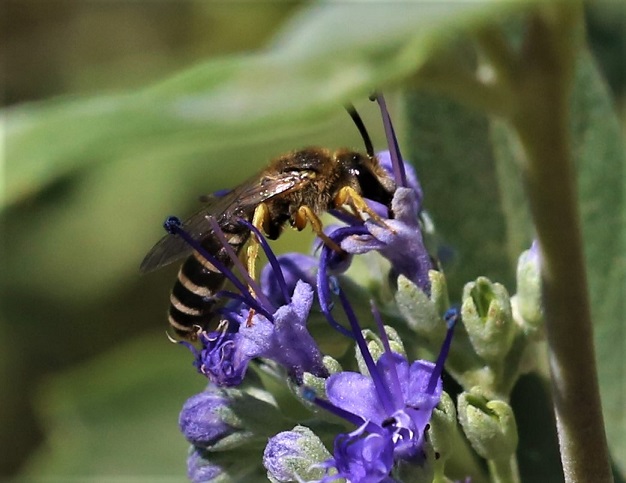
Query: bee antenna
x,y
369,147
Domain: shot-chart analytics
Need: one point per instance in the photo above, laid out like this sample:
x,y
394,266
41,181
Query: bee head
x,y
368,176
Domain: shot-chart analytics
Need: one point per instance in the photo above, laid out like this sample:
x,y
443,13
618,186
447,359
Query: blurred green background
x,y
90,385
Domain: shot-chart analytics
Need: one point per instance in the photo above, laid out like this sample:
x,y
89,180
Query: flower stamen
x,y
392,142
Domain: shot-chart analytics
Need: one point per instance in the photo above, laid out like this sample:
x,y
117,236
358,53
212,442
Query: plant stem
x,y
541,122
504,471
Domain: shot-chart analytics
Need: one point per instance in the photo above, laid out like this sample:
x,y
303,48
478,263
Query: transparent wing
x,y
241,201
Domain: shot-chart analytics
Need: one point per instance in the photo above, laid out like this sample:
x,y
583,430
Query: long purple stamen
x,y
323,285
173,225
246,300
451,317
396,389
271,258
384,395
392,143
258,293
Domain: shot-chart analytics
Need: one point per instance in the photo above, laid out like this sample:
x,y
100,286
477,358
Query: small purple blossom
x,y
294,267
412,181
398,239
283,338
220,359
362,457
393,404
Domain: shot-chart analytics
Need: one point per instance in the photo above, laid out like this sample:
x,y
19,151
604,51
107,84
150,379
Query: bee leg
x,y
305,214
348,196
259,220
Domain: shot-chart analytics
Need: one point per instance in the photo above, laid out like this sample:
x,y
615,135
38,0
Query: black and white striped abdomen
x,y
193,299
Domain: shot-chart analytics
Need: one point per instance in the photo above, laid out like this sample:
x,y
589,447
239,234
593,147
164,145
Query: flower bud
x,y
200,469
489,425
206,420
291,456
439,291
528,295
376,347
487,316
444,432
317,384
223,418
419,311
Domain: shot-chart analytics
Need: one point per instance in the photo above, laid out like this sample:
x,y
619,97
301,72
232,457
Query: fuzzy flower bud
x,y
487,316
295,455
444,433
200,469
206,420
489,425
528,295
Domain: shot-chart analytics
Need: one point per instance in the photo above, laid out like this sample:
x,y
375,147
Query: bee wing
x,y
237,202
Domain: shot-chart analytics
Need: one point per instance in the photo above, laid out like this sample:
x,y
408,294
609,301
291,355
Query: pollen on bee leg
x,y
305,214
348,196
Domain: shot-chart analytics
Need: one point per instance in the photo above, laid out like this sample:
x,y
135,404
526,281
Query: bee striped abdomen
x,y
193,299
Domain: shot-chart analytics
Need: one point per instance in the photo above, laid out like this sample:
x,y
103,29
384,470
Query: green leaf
x,y
329,53
450,147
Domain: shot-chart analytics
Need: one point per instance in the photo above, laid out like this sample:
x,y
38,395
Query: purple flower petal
x,y
287,340
399,240
356,393
362,457
384,158
295,266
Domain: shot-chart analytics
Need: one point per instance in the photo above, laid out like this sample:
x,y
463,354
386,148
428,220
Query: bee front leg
x,y
348,196
306,214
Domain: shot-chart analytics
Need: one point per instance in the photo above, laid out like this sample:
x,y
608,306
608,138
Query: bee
x,y
295,189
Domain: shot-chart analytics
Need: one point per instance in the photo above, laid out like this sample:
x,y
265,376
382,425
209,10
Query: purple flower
x,y
412,182
362,457
220,359
285,339
399,239
391,406
294,267
202,419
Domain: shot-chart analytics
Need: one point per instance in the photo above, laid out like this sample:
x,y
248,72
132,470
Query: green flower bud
x,y
439,291
318,384
487,316
292,456
528,297
421,313
376,347
489,425
444,432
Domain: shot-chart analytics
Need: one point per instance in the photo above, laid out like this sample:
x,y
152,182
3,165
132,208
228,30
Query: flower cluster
x,y
382,418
